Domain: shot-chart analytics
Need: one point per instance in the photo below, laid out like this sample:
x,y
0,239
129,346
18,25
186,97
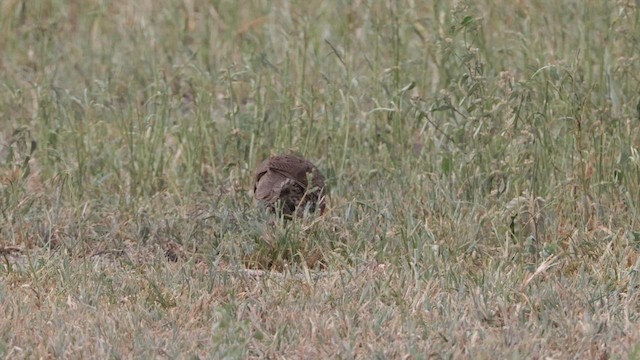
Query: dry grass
x,y
482,162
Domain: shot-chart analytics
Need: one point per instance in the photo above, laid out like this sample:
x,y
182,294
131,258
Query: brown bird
x,y
283,180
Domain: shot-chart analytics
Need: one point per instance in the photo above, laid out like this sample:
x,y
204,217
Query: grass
x,y
482,161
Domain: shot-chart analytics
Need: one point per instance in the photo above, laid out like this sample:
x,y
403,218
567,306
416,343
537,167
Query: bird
x,y
282,182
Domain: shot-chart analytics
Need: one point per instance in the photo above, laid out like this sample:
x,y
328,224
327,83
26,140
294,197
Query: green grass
x,y
482,161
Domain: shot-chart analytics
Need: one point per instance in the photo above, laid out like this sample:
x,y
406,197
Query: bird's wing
x,y
268,186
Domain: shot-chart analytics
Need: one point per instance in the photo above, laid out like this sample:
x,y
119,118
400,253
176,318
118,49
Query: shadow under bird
x,y
290,182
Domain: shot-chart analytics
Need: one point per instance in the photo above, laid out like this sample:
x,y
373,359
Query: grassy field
x,y
482,161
